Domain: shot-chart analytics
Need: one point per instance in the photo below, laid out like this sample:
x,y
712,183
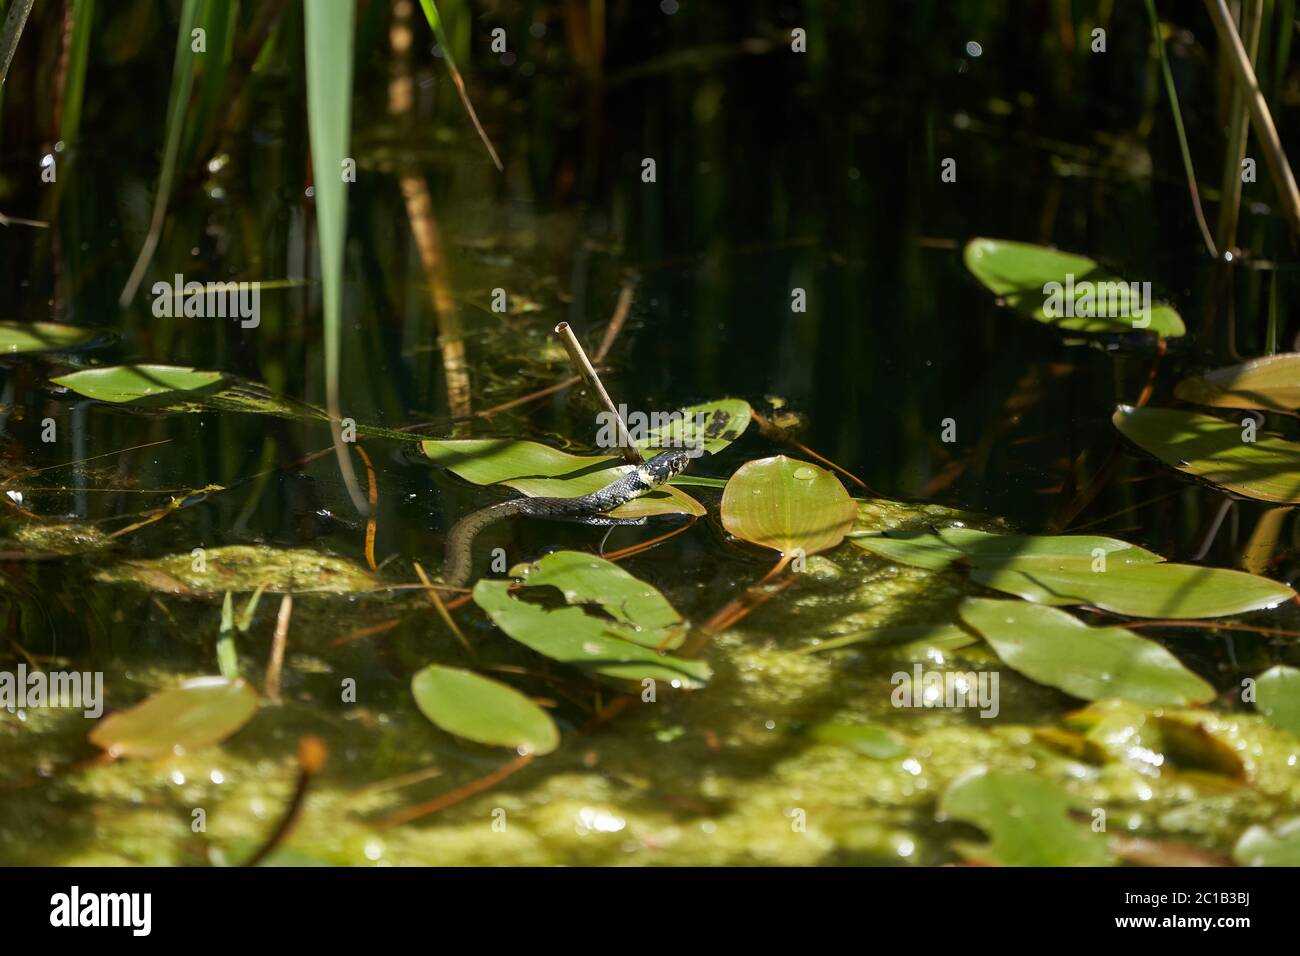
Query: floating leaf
x,y
919,549
941,636
43,336
240,569
1277,697
644,615
787,505
1271,383
590,641
1182,591
1260,846
539,470
937,550
714,424
128,383
871,740
1027,820
483,710
199,713
1213,450
1055,648
1018,272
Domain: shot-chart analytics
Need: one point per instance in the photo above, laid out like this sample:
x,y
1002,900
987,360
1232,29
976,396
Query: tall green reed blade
x,y
83,13
15,20
182,82
435,22
329,30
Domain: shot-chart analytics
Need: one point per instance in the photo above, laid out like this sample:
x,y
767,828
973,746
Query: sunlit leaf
x,y
1055,648
43,336
643,615
483,710
197,714
1018,273
1216,451
1181,591
1277,697
1026,818
714,425
540,470
128,383
1270,383
787,505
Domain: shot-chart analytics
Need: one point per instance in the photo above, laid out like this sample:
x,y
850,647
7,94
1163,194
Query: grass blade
x,y
329,33
435,21
83,14
13,29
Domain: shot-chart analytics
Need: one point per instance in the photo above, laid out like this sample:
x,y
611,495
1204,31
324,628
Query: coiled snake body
x,y
636,483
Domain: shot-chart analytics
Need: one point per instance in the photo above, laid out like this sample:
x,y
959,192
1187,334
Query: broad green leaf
x,y
128,383
197,714
483,710
719,424
1277,697
1261,846
983,547
586,641
787,505
1215,451
1054,648
240,568
919,549
871,740
644,615
1020,273
539,470
43,336
1026,818
1181,591
1270,383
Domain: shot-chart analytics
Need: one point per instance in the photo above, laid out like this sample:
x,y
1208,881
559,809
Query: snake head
x,y
667,464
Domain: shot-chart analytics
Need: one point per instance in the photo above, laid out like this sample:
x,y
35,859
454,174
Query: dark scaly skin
x,y
458,561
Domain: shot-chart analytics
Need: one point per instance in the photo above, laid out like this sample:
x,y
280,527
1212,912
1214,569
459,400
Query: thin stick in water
x,y
584,368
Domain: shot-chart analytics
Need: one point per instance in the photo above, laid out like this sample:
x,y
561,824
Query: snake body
x,y
642,480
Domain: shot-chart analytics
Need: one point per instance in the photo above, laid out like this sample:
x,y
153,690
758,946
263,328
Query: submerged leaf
x,y
1215,451
1027,820
787,505
483,710
1021,273
240,569
199,713
1055,648
870,740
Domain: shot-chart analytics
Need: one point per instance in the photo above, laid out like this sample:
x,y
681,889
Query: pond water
x,y
798,249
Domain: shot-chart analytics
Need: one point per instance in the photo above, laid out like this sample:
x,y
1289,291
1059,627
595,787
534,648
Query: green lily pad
x,y
644,615
197,714
787,505
585,640
1271,383
870,740
1277,697
920,549
1261,846
1020,273
242,568
1182,591
539,470
16,337
1057,649
128,383
1027,819
1213,450
937,550
483,710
